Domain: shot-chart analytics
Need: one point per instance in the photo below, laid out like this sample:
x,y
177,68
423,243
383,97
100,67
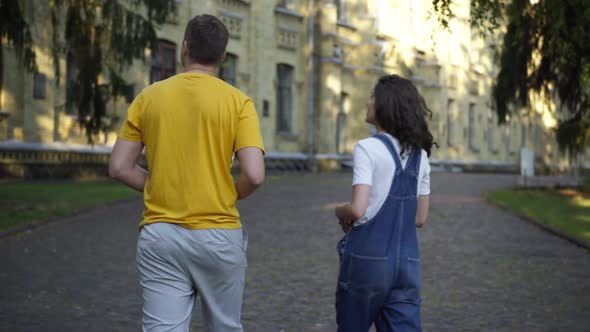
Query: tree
x,y
104,37
546,49
15,31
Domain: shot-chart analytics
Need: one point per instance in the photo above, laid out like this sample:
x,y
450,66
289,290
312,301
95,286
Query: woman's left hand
x,y
346,225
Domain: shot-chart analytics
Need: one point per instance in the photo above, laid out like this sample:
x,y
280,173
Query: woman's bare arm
x,y
422,210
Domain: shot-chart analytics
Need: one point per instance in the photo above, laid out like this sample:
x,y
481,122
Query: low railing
x,y
455,165
36,160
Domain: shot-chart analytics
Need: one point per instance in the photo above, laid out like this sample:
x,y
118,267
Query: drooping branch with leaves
x,y
15,31
546,49
104,38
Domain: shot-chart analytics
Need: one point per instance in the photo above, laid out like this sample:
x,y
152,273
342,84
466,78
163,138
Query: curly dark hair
x,y
401,111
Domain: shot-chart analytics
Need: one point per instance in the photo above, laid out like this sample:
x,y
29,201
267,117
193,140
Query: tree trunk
x,y
1,71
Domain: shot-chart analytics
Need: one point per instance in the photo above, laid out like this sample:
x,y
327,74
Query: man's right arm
x,y
251,171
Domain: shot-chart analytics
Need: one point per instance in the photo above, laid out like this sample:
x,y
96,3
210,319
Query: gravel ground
x,y
483,269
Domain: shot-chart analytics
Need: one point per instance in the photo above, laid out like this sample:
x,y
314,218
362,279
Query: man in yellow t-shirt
x,y
191,240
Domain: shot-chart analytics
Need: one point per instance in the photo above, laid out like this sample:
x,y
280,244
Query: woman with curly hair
x,y
379,279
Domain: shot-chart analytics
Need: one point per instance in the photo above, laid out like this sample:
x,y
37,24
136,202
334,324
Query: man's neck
x,y
195,67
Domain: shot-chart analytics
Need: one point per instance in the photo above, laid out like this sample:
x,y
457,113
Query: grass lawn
x,y
28,202
566,210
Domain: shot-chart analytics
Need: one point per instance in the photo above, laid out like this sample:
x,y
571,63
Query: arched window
x,y
472,129
451,118
343,110
284,98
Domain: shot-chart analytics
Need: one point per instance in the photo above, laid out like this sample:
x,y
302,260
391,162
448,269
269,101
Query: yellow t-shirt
x,y
191,124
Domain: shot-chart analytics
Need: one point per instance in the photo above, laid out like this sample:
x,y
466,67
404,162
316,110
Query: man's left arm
x,y
123,164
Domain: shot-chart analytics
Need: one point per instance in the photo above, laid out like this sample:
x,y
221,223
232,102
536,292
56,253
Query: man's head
x,y
205,40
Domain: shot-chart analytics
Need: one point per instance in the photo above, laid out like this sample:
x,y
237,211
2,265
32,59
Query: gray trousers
x,y
177,264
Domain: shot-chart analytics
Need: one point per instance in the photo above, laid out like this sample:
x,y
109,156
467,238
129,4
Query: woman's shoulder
x,y
373,148
368,142
423,156
424,161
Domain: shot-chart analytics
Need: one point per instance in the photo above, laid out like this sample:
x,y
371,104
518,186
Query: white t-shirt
x,y
374,166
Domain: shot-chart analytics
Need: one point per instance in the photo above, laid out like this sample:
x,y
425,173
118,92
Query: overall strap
x,y
383,138
413,164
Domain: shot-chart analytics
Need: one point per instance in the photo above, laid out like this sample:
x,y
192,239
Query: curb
x,y
14,230
543,226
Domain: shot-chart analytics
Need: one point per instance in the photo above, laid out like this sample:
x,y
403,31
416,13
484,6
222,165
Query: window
x,y
509,132
39,84
343,107
472,128
284,98
337,52
434,124
340,10
523,135
265,108
287,4
492,137
129,93
228,69
71,84
450,121
1,80
163,62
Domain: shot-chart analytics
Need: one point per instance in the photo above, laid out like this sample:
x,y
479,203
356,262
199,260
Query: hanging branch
x,y
546,50
104,38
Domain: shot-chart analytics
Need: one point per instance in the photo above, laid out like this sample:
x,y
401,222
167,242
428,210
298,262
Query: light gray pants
x,y
177,264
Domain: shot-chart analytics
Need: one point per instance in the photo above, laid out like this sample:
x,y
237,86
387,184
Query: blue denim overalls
x,y
379,279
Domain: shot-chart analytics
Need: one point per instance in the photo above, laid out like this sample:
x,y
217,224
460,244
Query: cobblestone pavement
x,y
483,269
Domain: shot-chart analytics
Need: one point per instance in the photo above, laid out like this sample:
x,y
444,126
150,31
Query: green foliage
x,y
574,134
546,49
486,15
555,32
444,13
29,202
104,38
15,30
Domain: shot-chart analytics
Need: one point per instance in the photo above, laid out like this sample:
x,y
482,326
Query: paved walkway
x,y
483,270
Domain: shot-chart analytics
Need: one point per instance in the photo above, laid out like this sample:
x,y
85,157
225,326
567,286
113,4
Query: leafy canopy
x,y
546,49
